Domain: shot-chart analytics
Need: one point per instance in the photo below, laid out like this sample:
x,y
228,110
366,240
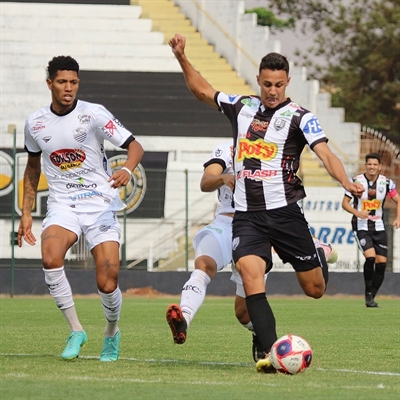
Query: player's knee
x,y
316,291
51,262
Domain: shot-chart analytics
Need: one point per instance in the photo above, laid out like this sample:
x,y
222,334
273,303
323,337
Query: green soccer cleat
x,y
75,341
111,348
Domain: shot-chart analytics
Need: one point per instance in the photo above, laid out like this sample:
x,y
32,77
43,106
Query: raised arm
x,y
31,181
200,88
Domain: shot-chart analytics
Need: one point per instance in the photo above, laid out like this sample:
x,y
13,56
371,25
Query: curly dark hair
x,y
61,63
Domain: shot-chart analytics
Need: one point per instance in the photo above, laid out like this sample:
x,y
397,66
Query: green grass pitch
x,y
356,352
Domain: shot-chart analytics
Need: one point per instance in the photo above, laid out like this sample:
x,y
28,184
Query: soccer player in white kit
x,y
68,135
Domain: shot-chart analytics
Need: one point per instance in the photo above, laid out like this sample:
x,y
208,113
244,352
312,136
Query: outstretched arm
x,y
200,88
336,169
31,181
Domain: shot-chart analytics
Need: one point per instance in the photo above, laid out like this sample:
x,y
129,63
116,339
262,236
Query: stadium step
x,y
167,18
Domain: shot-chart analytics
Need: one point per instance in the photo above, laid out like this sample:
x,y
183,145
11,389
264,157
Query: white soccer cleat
x,y
331,254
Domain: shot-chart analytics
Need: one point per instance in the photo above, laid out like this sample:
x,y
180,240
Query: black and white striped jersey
x,y
372,200
268,144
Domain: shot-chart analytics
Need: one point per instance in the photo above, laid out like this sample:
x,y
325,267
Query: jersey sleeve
x,y
221,155
110,128
312,130
30,144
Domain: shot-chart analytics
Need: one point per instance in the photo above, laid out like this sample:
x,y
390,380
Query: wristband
x,y
127,170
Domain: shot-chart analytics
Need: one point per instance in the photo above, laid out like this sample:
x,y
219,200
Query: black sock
x,y
263,320
324,265
368,273
378,278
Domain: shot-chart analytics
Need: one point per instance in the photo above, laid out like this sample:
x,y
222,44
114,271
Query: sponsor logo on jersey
x,y
258,149
232,97
69,175
109,128
46,139
84,119
312,126
67,159
371,205
38,126
295,105
289,113
257,175
250,102
85,195
80,185
258,125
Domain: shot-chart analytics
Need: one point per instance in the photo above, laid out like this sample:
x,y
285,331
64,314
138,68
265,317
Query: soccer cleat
x,y
177,323
111,348
264,365
258,352
75,341
331,254
369,300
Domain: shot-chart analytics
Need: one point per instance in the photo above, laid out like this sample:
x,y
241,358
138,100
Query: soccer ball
x,y
291,354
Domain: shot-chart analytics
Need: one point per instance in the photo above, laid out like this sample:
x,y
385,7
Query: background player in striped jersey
x,y
367,222
68,135
269,132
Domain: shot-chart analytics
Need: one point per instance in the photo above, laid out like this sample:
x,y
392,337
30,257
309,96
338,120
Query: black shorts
x,y
285,229
372,240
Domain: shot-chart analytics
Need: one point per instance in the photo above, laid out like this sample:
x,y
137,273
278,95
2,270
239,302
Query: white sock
x,y
112,303
249,326
193,294
60,290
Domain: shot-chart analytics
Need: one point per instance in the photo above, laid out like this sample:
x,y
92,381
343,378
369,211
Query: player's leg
x,y
366,245
251,253
102,234
242,314
380,244
60,230
212,246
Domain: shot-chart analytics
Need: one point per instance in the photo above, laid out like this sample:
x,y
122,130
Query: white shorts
x,y
98,227
215,241
235,277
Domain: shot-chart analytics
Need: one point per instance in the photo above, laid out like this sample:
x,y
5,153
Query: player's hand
x,y
363,214
25,231
356,189
177,44
396,223
119,178
229,180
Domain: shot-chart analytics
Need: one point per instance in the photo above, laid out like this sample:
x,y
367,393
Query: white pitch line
x,y
171,361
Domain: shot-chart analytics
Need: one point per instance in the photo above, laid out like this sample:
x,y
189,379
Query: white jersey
x,y
222,155
74,159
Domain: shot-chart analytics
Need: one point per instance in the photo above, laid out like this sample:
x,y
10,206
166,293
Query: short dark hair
x,y
61,63
375,156
274,62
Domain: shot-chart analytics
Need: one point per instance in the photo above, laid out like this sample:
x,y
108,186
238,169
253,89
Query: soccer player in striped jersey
x,y
367,222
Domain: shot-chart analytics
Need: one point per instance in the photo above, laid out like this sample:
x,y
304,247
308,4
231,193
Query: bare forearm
x,y
31,182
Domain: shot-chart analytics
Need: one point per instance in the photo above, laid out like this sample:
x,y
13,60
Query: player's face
x,y
63,89
373,168
272,87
